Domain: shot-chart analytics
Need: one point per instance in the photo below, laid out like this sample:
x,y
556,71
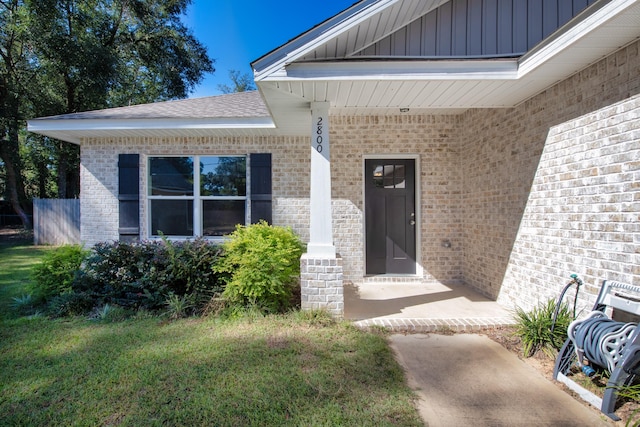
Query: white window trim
x,y
197,207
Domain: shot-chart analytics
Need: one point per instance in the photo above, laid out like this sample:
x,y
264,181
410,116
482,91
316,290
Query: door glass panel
x,y
378,176
389,176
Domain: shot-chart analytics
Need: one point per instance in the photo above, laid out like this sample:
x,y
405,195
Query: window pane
x,y
377,176
220,217
395,177
172,217
171,176
389,176
223,176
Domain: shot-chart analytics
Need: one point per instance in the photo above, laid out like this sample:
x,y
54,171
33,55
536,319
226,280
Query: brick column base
x,y
321,284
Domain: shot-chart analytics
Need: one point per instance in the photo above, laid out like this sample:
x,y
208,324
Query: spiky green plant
x,y
178,306
537,330
23,304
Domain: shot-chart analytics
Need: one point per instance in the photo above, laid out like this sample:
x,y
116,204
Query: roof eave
x,y
292,50
74,130
401,70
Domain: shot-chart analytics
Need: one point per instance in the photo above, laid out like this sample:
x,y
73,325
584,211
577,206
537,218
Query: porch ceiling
x,y
383,86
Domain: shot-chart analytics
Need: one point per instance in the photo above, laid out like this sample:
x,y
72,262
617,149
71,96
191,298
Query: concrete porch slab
x,y
422,307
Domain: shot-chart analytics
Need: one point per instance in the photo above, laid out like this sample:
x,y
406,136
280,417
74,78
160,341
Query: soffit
x,y
384,85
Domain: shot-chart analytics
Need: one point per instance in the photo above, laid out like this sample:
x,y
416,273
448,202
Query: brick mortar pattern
x,y
321,282
536,174
99,177
476,171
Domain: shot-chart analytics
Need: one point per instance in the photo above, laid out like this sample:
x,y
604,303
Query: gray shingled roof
x,y
237,105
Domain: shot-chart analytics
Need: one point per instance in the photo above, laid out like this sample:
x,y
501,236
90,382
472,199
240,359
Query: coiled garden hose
x,y
599,339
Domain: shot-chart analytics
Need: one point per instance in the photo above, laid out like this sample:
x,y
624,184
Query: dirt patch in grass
x,y
628,411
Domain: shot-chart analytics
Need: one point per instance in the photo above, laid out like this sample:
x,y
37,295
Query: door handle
x,y
412,221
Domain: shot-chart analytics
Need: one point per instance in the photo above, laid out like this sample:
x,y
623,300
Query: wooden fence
x,y
56,221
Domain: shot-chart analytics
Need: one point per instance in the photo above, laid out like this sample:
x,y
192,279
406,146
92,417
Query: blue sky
x,y
238,32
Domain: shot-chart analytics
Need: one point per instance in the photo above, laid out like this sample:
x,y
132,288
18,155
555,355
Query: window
x,y
197,195
389,176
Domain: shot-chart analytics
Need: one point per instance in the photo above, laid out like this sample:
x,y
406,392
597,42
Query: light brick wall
x,y
583,214
321,284
584,179
575,145
99,177
435,139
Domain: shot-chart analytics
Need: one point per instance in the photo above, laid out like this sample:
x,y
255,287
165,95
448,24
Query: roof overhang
x,y
77,129
288,83
385,85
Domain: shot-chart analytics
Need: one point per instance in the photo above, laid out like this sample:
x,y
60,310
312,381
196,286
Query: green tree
x,y
92,54
241,83
15,77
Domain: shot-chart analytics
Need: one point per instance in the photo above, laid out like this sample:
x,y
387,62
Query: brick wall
x,y
574,146
99,177
435,140
583,214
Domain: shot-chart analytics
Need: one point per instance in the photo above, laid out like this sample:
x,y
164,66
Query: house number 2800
x,y
319,132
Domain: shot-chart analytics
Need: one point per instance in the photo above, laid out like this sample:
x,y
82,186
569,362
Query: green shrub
x,y
534,328
126,274
191,269
261,266
55,274
143,275
69,304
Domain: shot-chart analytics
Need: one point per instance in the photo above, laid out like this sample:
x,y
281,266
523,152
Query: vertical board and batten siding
x,y
56,221
471,28
370,31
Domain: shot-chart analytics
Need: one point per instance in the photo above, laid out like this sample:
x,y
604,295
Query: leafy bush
x,y
143,275
190,266
534,328
125,274
69,304
55,274
261,266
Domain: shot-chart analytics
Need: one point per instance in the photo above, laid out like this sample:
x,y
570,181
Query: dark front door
x,y
390,216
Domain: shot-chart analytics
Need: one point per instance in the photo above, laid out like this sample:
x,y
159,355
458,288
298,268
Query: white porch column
x,y
321,227
320,268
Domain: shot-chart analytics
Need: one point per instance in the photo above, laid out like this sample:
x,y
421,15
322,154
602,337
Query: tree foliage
x,y
240,83
66,56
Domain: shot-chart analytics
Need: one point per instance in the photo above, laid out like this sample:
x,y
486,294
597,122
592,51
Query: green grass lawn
x,y
301,369
17,257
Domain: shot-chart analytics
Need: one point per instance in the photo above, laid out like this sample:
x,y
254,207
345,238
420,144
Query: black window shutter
x,y
129,197
260,187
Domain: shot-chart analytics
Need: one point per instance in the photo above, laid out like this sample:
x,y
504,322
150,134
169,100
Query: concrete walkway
x,y
463,379
470,380
422,307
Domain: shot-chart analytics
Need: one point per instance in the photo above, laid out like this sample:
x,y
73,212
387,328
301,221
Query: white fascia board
x,y
538,57
401,70
293,50
44,125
